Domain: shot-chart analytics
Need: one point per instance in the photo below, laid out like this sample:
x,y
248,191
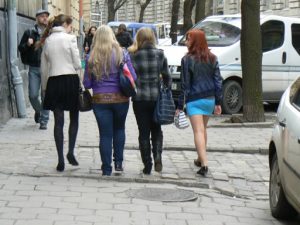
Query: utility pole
x,y
45,4
13,58
81,27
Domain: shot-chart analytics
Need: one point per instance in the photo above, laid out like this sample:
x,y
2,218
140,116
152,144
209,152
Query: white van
x,y
281,56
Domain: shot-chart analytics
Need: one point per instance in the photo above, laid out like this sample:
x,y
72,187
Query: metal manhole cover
x,y
163,194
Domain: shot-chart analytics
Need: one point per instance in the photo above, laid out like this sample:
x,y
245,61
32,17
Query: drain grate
x,y
163,194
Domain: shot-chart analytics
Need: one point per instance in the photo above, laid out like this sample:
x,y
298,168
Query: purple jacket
x,y
107,84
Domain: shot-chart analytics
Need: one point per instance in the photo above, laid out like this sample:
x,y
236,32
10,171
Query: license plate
x,y
174,86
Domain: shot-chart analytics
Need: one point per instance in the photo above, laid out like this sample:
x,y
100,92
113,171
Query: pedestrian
x,y
123,36
110,106
89,39
32,57
60,82
201,87
150,64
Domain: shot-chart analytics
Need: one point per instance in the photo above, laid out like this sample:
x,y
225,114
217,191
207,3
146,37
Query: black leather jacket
x,y
33,57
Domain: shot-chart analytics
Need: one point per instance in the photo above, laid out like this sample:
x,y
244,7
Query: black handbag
x,y
164,111
84,100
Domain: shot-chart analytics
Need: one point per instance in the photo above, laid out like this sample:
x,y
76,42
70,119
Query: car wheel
x,y
232,97
280,208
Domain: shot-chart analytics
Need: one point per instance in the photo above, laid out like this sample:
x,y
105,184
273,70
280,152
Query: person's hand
x,y
30,41
218,110
86,49
177,112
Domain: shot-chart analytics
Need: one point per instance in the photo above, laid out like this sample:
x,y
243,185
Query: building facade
x,y
26,10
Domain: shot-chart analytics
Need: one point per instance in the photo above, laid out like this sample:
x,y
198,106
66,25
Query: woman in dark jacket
x,y
149,64
123,36
202,90
89,39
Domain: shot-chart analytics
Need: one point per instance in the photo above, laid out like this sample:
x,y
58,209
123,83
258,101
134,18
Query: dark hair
x,y
90,30
55,21
122,28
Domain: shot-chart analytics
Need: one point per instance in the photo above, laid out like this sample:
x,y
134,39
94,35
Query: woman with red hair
x,y
201,85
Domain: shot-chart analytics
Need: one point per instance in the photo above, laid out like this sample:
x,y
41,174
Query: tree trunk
x,y
174,20
251,56
200,10
112,8
143,8
187,14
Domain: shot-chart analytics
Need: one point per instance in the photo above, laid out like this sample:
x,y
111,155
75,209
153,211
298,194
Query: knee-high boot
x,y
145,150
157,143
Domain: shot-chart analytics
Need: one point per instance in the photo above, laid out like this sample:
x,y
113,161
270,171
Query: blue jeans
x,y
34,87
111,123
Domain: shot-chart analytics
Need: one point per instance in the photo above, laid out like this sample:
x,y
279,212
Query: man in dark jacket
x,y
32,57
123,37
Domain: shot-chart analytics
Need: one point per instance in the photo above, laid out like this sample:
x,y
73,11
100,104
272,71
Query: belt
x,y
109,98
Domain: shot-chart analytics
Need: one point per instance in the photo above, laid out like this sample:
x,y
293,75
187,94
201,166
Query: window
x,y
217,33
296,37
295,94
272,33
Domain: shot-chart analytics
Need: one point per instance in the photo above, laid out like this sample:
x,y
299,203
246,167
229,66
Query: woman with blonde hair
x,y
149,64
201,86
110,106
60,62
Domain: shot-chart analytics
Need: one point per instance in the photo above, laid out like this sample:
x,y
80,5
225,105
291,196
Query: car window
x,y
217,34
272,33
296,37
295,94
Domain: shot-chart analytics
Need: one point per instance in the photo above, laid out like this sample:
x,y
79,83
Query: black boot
x,y
145,150
157,143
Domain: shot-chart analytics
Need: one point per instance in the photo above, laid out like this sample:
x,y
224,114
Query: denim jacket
x,y
199,80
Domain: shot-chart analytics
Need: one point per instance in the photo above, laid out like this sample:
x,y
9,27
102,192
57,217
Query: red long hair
x,y
198,46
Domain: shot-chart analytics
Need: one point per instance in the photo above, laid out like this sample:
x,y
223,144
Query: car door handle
x,y
282,123
298,140
283,57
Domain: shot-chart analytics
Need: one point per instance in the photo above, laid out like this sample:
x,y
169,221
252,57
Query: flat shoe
x,y
203,171
72,160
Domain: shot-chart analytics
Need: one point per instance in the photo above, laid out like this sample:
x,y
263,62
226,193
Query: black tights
x,y
59,133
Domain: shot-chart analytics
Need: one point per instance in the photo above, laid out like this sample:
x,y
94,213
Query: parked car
x,y
280,62
284,156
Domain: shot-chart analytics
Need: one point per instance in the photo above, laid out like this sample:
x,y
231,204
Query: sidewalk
x,y
26,150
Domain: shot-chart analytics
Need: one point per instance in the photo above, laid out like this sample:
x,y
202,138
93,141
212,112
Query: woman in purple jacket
x,y
110,106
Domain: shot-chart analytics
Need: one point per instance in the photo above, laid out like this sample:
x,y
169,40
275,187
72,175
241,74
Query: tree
x,y
200,10
113,6
251,56
143,8
174,20
188,6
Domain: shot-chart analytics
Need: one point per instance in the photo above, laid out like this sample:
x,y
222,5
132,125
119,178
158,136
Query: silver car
x,y
284,156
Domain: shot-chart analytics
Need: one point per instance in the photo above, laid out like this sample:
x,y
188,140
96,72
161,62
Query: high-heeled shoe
x,y
197,162
60,167
203,171
72,160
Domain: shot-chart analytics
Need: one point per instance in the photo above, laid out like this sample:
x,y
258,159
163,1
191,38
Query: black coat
x,y
124,39
29,55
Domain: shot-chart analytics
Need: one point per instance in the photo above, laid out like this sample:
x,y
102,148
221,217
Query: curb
x,y
244,149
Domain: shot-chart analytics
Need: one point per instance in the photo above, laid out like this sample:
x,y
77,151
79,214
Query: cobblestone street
x,y
234,192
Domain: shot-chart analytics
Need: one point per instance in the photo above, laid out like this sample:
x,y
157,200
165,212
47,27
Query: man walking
x,y
32,57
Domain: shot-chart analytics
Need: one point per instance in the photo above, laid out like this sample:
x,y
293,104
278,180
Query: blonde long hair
x,y
104,47
143,36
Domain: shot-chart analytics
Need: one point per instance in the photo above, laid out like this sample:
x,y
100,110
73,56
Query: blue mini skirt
x,y
204,106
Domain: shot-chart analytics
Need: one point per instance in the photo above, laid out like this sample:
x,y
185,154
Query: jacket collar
x,y
58,29
147,45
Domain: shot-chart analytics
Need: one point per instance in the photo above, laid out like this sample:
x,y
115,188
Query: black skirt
x,y
62,93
